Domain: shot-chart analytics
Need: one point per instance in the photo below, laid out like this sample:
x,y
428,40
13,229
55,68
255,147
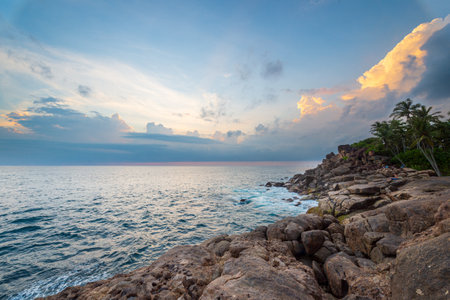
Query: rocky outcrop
x,y
354,180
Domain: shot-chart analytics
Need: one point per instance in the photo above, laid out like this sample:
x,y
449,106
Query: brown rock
x,y
318,273
422,271
364,189
254,278
312,240
293,231
389,244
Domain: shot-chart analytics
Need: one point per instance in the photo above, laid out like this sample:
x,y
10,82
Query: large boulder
x,y
312,240
422,270
254,278
364,189
348,279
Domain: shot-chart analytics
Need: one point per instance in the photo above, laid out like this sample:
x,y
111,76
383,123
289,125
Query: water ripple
x,y
64,226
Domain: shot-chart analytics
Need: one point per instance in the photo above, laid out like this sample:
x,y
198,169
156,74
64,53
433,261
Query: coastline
x,y
391,225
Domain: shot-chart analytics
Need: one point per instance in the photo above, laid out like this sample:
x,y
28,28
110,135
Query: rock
x,y
364,189
293,231
165,278
340,170
443,212
327,249
275,231
407,217
365,263
254,278
237,246
377,255
422,271
221,247
318,273
335,228
337,268
389,244
347,279
370,238
312,240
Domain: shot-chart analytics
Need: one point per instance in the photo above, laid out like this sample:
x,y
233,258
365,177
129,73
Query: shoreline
x,y
373,249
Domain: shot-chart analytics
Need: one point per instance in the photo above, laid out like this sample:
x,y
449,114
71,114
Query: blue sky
x,y
210,80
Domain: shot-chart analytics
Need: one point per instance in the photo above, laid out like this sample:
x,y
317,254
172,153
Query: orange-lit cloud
x,y
401,69
10,121
310,105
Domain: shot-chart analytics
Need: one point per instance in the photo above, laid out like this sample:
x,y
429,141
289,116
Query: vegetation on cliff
x,y
414,137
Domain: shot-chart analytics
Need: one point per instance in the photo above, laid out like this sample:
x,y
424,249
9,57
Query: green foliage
x,y
342,218
371,144
414,159
415,136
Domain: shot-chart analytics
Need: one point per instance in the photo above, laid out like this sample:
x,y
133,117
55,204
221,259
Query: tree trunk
x,y
430,157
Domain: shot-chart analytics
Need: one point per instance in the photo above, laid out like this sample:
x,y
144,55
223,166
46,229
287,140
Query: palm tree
x,y
382,131
423,126
404,109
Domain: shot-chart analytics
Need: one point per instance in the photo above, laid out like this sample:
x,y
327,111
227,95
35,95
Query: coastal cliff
x,y
379,232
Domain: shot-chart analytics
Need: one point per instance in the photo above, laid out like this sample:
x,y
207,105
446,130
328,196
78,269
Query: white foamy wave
x,y
55,284
275,199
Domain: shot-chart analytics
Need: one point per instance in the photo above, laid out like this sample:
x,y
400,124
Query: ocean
x,y
65,226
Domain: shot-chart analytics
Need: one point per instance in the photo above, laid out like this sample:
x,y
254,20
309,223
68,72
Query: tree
x,y
423,126
404,109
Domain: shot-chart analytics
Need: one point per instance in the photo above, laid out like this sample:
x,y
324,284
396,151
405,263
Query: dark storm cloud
x,y
435,83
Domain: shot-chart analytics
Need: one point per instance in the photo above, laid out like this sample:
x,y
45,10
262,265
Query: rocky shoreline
x,y
379,232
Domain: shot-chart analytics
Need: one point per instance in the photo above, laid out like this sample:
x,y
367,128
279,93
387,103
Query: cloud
x,y
84,90
230,137
261,129
171,138
310,105
193,133
153,128
272,69
214,109
41,70
32,68
50,118
323,91
401,69
435,83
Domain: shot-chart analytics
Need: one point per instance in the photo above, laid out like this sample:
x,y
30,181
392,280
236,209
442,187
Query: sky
x,y
125,82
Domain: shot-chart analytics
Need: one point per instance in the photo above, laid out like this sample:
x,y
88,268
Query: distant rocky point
x,y
379,232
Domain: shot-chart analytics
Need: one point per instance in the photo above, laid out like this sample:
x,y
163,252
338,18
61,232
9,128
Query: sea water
x,y
65,226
